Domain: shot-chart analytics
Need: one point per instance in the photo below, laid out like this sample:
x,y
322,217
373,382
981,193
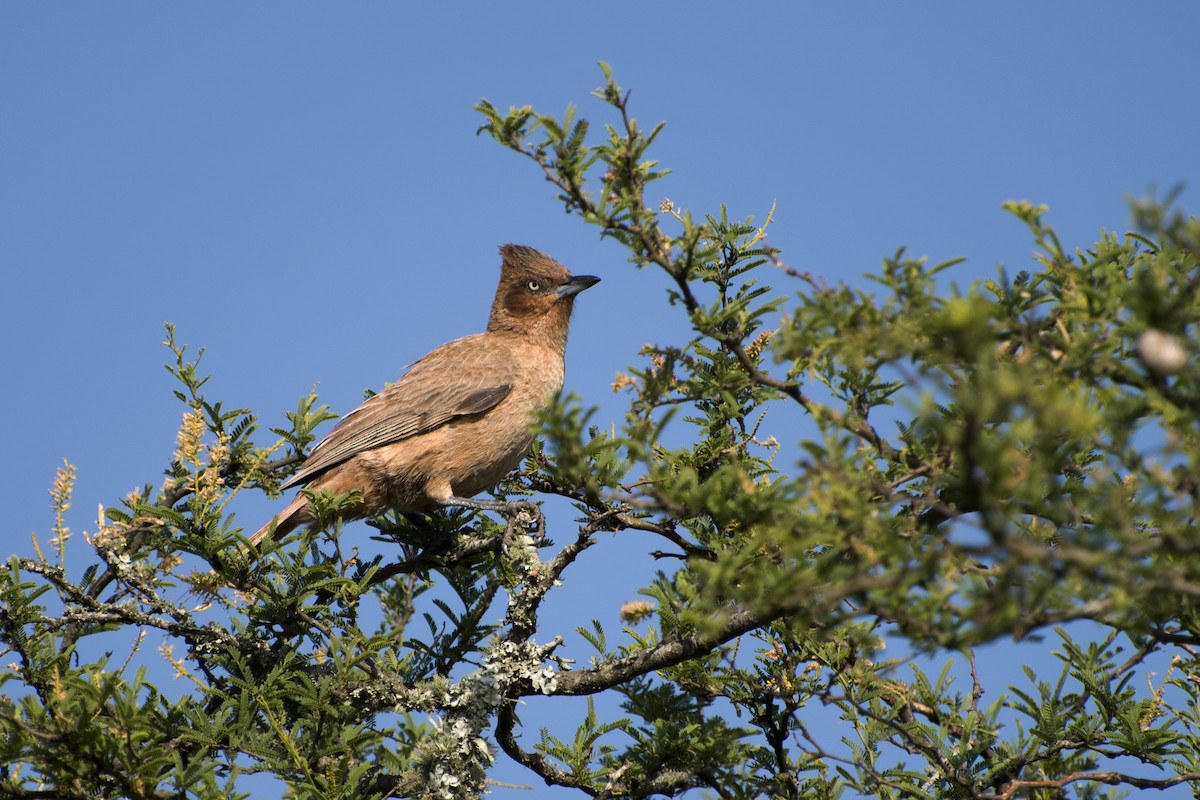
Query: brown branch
x,y
455,549
92,609
506,723
523,611
1109,778
618,509
667,654
667,782
670,534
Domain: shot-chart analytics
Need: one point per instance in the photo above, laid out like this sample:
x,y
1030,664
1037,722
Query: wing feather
x,y
458,379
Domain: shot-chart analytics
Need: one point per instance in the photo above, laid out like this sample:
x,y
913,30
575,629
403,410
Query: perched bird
x,y
459,420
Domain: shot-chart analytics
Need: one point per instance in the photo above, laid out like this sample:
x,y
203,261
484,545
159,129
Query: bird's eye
x,y
534,285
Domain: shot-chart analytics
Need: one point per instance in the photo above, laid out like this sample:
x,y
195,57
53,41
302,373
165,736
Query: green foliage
x,y
858,496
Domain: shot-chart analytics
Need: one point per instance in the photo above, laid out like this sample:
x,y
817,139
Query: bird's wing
x,y
458,379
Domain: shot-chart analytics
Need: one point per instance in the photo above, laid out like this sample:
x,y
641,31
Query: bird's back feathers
x,y
460,378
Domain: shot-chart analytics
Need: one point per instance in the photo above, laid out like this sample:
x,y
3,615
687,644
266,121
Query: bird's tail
x,y
284,522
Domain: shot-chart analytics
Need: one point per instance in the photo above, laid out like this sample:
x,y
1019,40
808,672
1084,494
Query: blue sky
x,y
299,186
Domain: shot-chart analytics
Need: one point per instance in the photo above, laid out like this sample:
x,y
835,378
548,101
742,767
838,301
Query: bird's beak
x,y
576,284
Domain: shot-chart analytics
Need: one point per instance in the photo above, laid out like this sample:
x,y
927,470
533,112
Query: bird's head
x,y
536,293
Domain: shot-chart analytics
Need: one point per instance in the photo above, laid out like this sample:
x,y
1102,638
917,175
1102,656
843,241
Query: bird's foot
x,y
500,506
524,513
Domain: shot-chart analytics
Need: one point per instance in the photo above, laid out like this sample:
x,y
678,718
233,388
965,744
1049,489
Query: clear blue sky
x,y
299,186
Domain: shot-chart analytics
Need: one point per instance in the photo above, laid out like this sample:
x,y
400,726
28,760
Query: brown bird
x,y
458,421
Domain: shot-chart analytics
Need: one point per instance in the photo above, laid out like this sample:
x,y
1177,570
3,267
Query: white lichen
x,y
455,755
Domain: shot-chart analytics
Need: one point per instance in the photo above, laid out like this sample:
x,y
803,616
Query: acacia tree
x,y
1017,460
